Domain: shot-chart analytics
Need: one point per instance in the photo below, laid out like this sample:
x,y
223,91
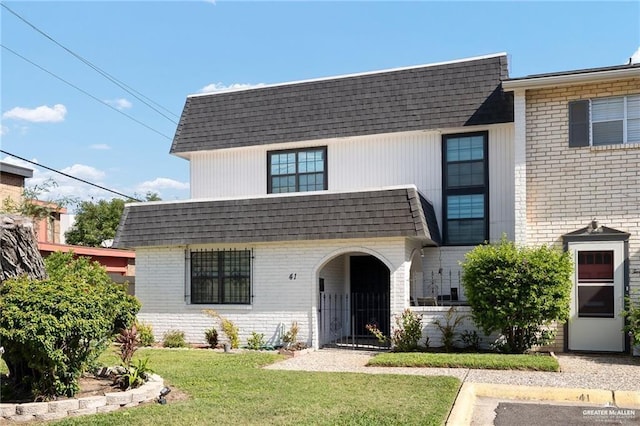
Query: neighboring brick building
x,y
577,151
12,181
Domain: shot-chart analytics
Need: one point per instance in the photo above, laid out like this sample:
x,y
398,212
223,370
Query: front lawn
x,y
232,389
534,362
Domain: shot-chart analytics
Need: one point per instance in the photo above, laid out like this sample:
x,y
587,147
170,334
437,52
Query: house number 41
x,y
292,276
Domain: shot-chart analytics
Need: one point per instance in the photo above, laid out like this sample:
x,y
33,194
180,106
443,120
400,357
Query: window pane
x,y
465,174
607,132
281,184
465,148
236,276
465,206
283,163
633,131
204,277
595,266
595,301
467,231
607,109
633,106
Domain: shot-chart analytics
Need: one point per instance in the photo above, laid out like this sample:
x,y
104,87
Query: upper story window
x,y
604,121
297,170
465,181
221,277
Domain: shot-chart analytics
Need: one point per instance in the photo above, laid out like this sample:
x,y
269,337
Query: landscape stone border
x,y
110,401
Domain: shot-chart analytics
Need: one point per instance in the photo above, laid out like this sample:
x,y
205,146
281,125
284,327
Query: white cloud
x,y
100,146
219,87
65,188
84,172
3,130
161,183
635,58
41,114
120,103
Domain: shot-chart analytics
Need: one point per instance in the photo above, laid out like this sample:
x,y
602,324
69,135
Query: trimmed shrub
x,y
256,341
405,335
145,334
211,336
518,291
52,330
174,339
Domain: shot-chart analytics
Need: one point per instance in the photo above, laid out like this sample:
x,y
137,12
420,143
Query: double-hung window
x,y
221,277
604,121
297,170
466,189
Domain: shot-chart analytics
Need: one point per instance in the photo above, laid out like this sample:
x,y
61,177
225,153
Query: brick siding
x,y
568,187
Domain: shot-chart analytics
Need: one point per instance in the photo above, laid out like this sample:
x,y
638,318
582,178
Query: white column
x,y
520,164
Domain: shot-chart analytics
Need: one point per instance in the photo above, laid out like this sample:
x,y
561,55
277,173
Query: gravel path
x,y
610,372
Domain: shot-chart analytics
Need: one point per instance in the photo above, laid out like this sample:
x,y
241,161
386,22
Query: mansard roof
x,y
394,212
453,94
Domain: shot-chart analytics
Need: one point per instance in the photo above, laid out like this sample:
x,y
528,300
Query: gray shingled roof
x,y
448,95
400,212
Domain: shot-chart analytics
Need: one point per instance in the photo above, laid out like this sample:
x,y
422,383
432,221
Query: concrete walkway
x,y
594,379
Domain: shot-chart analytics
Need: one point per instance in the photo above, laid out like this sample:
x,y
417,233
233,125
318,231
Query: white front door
x,y
595,322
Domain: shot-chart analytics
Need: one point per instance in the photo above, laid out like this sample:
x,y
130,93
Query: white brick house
x,y
311,199
342,201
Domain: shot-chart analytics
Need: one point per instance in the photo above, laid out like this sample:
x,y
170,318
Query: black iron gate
x,y
344,318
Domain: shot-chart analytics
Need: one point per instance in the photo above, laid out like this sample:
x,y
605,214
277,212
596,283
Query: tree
x,y
97,222
31,204
518,291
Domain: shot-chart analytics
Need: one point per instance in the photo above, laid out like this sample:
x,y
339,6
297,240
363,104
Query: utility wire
x,y
86,93
69,176
100,71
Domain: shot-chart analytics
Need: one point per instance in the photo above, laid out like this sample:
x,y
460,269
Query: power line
x,y
85,92
69,176
100,71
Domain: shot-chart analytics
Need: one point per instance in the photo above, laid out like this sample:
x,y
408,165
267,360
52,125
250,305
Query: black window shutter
x,y
579,123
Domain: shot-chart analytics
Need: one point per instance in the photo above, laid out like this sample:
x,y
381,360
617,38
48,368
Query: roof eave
x,y
570,79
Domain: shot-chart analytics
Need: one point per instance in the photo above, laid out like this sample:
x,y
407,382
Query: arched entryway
x,y
354,291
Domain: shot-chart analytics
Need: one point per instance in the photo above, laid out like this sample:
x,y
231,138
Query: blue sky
x,y
167,50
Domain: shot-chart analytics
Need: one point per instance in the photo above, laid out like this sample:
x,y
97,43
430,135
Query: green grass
x,y
467,360
231,389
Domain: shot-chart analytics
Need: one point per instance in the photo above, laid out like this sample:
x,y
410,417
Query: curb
x,y
462,411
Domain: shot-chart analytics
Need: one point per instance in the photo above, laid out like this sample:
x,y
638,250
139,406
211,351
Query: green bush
x,y
408,332
405,335
631,314
145,334
228,327
448,326
256,341
518,291
174,339
52,330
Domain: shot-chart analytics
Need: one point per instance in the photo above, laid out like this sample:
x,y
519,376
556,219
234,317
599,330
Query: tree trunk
x,y
20,254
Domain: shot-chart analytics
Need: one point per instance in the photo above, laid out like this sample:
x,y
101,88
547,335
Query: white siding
x,y
229,173
365,163
501,183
